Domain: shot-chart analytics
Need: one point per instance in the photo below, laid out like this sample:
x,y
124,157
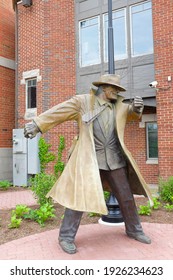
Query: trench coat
x,y
79,187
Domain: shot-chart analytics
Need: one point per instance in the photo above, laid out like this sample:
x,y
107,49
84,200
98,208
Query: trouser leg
x,y
70,225
120,187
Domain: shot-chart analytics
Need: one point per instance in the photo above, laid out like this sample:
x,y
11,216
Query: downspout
x,y
16,66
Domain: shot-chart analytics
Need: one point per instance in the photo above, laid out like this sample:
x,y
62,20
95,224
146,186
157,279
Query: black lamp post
x,y
114,212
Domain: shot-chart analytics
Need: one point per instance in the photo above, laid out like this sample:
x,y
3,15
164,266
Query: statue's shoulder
x,y
84,97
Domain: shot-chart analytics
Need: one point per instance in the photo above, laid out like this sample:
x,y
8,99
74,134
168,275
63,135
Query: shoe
x,y
68,246
141,237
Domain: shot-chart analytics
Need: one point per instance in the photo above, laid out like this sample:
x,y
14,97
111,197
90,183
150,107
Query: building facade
x,y
7,85
62,48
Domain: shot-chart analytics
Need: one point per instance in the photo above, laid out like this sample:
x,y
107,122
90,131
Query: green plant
x,y
169,207
166,190
5,184
41,215
31,215
15,222
40,185
106,195
44,155
156,203
45,212
20,210
59,165
92,214
144,210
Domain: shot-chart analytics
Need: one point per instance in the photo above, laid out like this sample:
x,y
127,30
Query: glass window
x,y
141,29
31,88
152,141
119,31
89,38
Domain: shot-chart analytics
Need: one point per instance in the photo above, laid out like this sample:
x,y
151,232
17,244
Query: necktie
x,y
92,115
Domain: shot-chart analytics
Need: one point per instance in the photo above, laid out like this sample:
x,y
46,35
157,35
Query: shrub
x,y
5,184
20,210
41,215
156,203
168,207
144,210
59,165
41,185
44,155
166,190
15,222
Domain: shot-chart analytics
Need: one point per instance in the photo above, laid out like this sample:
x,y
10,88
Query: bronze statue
x,y
98,157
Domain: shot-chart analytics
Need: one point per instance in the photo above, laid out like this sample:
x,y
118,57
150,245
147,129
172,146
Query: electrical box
x,y
33,158
25,157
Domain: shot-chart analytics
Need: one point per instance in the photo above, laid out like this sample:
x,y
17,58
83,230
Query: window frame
x,y
116,57
150,159
26,90
131,30
99,42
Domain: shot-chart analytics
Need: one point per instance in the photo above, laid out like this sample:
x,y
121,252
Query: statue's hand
x,y
31,130
138,104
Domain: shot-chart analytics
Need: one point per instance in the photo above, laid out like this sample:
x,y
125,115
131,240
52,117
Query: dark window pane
x,y
152,140
31,94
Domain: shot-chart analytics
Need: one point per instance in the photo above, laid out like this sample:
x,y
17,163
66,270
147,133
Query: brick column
x,y
163,53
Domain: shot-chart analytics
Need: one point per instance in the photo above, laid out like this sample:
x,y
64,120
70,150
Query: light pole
x,y
114,212
111,64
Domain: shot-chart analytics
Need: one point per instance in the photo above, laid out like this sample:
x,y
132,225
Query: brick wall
x,y
163,50
47,27
47,42
135,139
7,76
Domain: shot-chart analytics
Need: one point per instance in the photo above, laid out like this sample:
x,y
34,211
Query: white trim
x,y
30,113
147,118
35,73
152,161
8,63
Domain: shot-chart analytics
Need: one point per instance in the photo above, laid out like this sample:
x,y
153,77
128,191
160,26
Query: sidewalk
x,y
94,241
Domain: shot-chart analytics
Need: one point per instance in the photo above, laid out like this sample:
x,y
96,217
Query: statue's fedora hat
x,y
110,79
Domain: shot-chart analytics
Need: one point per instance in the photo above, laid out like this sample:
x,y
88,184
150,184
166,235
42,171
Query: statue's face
x,y
110,92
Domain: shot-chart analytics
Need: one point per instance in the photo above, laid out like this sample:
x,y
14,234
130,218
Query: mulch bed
x,y
30,227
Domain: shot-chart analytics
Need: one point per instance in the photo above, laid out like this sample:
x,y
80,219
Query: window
x,y
89,38
31,94
141,29
152,140
119,29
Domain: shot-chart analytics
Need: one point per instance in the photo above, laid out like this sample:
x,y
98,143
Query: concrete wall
x,y
6,164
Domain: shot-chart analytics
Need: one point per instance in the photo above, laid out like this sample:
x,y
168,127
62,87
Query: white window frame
x,y
30,113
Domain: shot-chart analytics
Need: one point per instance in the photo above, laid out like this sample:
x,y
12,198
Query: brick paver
x,y
94,241
9,200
